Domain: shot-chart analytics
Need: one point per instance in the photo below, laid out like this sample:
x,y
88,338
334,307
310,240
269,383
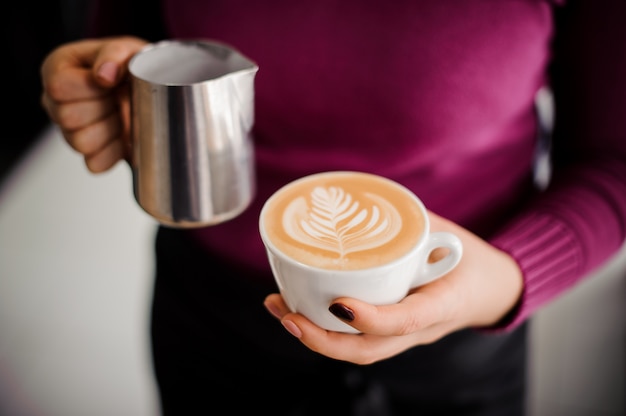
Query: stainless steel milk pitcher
x,y
192,111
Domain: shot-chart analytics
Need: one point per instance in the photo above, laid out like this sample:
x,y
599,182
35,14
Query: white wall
x,y
579,348
75,270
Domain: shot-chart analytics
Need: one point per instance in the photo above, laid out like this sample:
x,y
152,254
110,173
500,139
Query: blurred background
x,y
76,270
31,28
75,251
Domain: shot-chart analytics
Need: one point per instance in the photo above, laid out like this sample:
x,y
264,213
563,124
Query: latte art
x,y
343,220
331,219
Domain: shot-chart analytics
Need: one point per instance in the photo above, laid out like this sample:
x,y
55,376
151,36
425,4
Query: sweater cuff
x,y
549,257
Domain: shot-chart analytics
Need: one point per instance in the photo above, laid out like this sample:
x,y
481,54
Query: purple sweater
x,y
439,95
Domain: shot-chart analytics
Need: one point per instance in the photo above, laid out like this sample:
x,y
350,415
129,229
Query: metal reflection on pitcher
x,y
192,111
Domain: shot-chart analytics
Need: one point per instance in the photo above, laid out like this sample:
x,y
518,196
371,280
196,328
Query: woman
x,y
439,96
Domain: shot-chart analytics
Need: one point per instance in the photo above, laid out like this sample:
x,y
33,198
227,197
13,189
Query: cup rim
x,y
269,245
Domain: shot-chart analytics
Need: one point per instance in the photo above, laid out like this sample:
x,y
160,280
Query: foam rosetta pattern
x,y
332,219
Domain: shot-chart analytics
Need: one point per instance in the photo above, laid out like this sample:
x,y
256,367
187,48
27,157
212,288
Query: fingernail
x,y
273,309
342,312
292,328
108,71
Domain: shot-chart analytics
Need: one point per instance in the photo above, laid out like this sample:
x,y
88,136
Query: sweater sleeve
x,y
579,221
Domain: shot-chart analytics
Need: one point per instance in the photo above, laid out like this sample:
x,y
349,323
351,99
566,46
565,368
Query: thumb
x,y
110,59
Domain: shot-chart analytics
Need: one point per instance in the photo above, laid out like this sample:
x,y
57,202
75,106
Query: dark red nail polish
x,y
342,312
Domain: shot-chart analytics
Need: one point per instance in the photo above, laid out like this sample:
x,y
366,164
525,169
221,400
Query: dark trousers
x,y
216,347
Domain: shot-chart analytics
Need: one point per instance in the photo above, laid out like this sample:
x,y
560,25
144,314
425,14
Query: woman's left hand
x,y
486,284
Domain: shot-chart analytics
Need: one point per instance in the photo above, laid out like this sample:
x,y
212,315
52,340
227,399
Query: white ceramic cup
x,y
354,234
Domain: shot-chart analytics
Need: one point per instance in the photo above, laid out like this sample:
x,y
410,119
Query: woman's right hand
x,y
86,94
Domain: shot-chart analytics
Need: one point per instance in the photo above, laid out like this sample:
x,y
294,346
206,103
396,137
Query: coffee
x,y
344,220
353,234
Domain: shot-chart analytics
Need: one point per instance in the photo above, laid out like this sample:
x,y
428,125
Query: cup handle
x,y
432,271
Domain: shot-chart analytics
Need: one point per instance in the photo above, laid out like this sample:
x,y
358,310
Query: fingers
x,y
276,305
75,115
92,138
84,72
82,67
88,126
106,158
386,331
84,93
360,349
425,307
